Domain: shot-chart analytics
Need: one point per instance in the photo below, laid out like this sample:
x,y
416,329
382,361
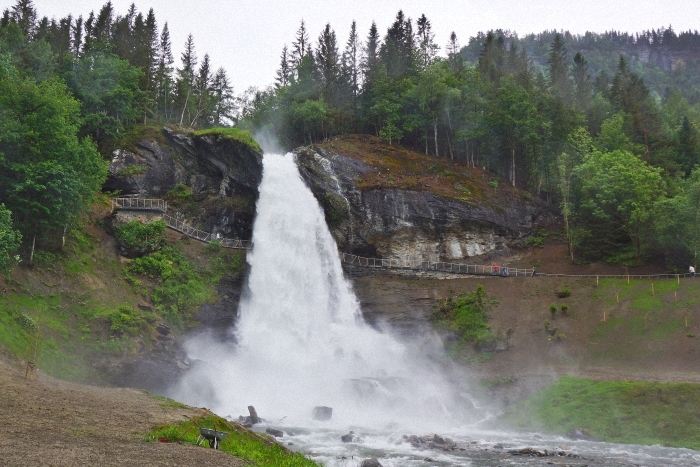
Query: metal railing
x,y
140,203
440,266
183,227
177,224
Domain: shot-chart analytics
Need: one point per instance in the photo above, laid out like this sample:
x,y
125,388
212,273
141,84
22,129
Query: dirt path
x,y
48,422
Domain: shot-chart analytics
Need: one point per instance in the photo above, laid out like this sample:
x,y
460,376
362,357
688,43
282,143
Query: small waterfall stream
x,y
300,341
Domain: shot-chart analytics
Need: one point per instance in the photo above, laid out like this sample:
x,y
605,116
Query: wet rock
x,y
274,432
415,441
322,413
348,437
529,452
497,446
370,463
253,415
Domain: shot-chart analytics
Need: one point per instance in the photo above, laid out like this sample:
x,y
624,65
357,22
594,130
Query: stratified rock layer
x,y
392,222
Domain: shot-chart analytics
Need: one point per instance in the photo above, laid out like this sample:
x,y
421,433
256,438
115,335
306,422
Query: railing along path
x,y
177,224
483,270
390,263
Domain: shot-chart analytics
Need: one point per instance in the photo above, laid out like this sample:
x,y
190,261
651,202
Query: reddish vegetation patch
x,y
398,167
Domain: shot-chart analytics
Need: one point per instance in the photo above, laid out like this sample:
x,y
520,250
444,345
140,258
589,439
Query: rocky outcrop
x,y
216,177
411,224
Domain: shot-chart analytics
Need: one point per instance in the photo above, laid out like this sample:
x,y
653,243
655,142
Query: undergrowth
x,y
466,316
240,442
615,411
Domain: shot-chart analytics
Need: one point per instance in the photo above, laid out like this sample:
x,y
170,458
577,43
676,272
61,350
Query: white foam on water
x,y
301,338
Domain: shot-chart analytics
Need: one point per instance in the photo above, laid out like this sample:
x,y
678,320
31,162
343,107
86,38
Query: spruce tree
x,y
284,72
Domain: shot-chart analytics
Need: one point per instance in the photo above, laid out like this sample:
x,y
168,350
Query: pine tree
x,y
370,62
77,38
328,63
284,72
186,77
351,61
453,53
222,93
559,81
426,40
301,45
583,86
25,15
164,80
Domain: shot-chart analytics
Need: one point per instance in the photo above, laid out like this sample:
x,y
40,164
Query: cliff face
x,y
411,206
217,177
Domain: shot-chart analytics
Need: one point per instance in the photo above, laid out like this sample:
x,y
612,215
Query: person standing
x,y
691,269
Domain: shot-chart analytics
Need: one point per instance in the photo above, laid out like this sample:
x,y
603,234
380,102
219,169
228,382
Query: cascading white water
x,y
300,337
300,341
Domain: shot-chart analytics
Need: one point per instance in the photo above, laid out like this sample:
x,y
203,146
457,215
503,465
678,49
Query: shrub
x,y
136,235
564,293
466,315
494,184
553,310
180,287
564,309
180,193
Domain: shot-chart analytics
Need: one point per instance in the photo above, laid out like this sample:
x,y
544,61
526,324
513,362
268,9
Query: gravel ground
x,y
48,422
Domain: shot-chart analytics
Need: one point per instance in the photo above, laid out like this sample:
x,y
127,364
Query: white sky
x,y
246,37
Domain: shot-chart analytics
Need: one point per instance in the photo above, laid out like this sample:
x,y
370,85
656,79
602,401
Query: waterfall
x,y
300,340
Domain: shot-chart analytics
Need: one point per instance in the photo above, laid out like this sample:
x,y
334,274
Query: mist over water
x,y
300,340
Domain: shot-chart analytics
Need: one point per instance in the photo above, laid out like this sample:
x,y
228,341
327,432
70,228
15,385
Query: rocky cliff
x,y
210,178
384,201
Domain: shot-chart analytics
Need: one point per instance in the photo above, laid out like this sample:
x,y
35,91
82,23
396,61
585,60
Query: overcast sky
x,y
246,37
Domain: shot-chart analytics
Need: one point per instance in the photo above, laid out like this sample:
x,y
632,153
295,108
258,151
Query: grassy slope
x,y
259,450
86,304
616,411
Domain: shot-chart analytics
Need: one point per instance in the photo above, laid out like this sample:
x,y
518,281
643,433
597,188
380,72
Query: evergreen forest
x,y
603,126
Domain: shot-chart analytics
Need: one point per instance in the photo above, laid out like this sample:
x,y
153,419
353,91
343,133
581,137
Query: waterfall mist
x,y
300,340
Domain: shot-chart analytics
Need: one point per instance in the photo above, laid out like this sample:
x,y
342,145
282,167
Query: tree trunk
x,y
437,153
512,166
63,239
182,116
31,255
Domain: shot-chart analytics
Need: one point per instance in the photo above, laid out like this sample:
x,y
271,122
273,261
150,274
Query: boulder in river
x,y
370,463
274,432
322,413
348,438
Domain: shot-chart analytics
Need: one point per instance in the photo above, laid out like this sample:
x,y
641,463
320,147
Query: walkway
x,y
161,206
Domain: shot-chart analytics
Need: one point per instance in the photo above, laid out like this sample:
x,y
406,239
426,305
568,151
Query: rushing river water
x,y
300,341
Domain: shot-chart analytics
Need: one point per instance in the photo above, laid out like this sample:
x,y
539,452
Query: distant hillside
x,y
666,60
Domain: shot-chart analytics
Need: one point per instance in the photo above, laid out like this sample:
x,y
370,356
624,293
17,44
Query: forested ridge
x,y
72,89
603,126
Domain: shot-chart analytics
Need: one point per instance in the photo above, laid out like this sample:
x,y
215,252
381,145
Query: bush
x,y
564,309
564,293
553,310
494,184
139,236
179,194
180,287
467,316
130,322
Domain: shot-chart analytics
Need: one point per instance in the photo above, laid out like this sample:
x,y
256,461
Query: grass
x,y
233,134
240,442
615,411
